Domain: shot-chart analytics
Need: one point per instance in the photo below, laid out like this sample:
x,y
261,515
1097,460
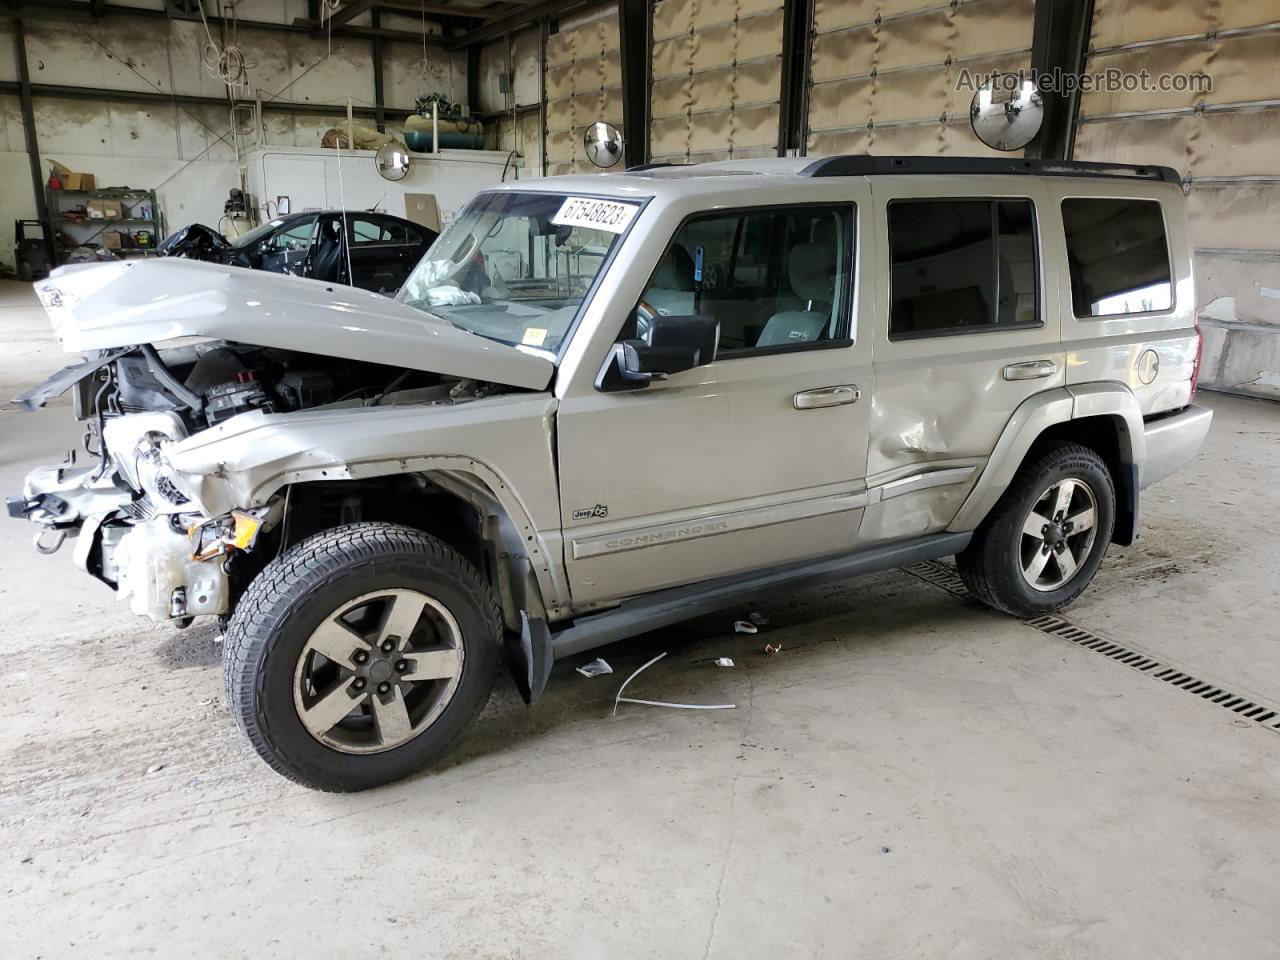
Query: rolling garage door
x,y
584,85
884,72
1226,144
717,77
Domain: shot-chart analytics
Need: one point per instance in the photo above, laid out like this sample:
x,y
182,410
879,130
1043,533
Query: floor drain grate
x,y
941,575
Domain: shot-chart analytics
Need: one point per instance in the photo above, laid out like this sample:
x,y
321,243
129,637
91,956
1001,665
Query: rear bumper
x,y
1172,441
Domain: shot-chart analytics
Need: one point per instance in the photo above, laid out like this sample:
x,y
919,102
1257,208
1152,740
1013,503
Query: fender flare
x,y
1050,408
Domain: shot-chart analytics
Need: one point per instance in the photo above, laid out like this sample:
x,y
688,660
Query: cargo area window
x,y
1119,256
774,278
962,266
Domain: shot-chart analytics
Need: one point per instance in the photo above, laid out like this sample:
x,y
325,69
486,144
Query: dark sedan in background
x,y
383,248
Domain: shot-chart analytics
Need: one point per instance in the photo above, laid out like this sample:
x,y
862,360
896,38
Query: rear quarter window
x,y
1118,254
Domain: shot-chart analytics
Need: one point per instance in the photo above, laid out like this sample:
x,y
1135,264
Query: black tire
x,y
991,566
288,600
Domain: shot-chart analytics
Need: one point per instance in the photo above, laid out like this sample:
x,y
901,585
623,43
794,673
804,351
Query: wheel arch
x,y
1104,417
459,499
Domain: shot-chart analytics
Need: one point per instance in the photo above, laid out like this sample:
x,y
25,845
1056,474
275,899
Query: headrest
x,y
813,270
675,271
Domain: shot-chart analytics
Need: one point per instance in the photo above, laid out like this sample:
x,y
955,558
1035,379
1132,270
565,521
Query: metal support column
x,y
473,78
1059,42
793,102
379,49
634,27
33,141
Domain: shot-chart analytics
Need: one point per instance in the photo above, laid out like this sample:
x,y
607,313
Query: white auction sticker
x,y
595,214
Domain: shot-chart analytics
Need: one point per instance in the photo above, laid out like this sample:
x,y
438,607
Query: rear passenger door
x,y
966,331
382,253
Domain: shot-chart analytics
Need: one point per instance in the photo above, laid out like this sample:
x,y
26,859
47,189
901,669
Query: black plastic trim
x,y
676,604
861,165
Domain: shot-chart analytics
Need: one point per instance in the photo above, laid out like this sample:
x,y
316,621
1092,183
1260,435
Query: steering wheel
x,y
644,319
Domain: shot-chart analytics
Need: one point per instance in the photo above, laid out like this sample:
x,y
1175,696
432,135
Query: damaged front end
x,y
134,522
171,548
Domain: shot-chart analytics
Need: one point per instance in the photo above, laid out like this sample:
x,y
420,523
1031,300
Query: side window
x,y
772,277
297,237
961,266
369,231
1118,255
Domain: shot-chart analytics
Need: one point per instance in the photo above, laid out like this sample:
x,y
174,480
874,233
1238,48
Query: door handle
x,y
1030,370
826,397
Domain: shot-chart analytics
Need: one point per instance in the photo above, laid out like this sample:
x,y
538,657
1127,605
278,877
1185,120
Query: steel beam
x,y
97,95
793,103
87,10
379,94
525,17
344,15
1059,41
33,141
635,19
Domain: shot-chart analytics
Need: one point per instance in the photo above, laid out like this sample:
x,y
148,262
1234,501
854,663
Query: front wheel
x,y
361,655
1045,539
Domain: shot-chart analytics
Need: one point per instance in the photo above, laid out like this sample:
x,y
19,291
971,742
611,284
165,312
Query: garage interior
x,y
907,774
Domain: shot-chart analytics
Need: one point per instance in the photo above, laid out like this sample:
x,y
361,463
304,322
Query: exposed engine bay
x,y
138,528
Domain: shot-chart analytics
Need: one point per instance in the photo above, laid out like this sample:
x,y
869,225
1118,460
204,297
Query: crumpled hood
x,y
101,306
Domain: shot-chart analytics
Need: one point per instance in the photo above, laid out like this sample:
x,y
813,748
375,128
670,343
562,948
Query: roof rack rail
x,y
863,165
641,167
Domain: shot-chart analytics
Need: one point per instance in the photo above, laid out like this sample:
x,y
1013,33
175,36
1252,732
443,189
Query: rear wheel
x,y
1045,539
361,655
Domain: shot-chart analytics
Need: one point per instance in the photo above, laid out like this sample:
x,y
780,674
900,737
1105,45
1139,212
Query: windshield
x,y
515,267
254,235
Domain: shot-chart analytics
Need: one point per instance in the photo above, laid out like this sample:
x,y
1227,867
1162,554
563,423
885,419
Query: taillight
x,y
1195,369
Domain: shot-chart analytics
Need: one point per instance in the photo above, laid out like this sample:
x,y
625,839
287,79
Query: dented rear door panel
x,y
941,402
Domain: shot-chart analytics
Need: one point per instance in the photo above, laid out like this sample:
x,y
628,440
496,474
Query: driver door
x,y
753,460
287,250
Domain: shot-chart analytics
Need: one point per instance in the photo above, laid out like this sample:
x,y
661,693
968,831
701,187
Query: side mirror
x,y
675,344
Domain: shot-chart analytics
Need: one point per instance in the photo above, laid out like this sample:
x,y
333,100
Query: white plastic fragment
x,y
155,768
745,626
724,662
597,667
619,698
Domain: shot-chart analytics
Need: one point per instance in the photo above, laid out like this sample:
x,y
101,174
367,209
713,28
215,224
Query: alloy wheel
x,y
1058,534
378,671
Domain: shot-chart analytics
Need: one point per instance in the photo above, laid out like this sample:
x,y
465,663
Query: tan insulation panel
x,y
583,76
716,69
1237,215
904,68
1231,137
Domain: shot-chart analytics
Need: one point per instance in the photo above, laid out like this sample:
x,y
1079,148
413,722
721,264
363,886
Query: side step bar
x,y
665,607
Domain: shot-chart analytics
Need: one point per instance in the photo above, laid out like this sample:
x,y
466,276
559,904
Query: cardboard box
x,y
112,240
104,209
71,180
422,209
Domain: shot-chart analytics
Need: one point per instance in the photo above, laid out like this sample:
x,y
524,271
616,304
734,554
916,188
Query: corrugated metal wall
x,y
884,72
717,77
1226,143
584,84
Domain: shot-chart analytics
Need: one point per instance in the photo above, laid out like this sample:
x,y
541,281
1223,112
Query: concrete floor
x,y
913,776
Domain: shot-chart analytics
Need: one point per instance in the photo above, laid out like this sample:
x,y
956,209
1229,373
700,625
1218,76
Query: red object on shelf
x,y
54,182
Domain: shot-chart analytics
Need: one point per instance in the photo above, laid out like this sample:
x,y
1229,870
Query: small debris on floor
x,y
884,849
745,626
772,648
619,698
758,618
724,662
206,701
155,768
596,668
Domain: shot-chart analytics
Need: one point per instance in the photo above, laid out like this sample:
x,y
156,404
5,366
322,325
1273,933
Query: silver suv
x,y
601,405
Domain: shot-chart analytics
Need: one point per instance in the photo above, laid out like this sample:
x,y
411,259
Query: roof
x,y
659,179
